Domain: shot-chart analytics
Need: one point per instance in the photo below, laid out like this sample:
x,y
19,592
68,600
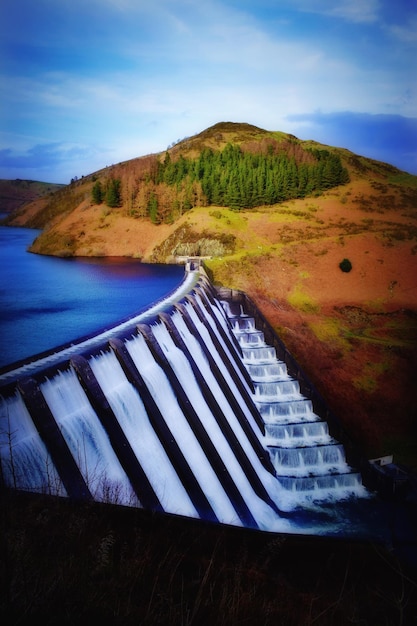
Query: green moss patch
x,y
299,300
329,330
368,380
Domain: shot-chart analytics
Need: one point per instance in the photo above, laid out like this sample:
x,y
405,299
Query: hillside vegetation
x,y
325,242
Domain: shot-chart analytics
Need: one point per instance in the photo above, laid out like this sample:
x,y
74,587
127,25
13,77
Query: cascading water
x,y
163,394
283,390
308,462
201,329
181,366
266,372
23,449
258,354
192,413
293,411
87,439
131,414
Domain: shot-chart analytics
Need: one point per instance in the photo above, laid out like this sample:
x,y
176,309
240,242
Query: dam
x,y
193,408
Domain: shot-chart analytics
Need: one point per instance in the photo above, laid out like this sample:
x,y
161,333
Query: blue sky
x,y
88,83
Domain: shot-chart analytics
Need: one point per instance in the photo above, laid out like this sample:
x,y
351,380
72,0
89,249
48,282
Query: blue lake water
x,y
47,301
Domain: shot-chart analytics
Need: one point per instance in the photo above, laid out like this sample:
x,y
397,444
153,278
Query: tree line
x,y
231,177
243,180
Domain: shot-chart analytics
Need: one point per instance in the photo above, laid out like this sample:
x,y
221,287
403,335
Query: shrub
x,y
345,265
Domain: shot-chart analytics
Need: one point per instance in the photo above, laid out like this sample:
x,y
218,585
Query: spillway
x,y
186,410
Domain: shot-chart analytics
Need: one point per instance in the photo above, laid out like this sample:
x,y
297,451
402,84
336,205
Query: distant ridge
x,y
16,193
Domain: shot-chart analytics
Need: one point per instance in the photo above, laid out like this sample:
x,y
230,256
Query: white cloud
x,y
405,33
356,11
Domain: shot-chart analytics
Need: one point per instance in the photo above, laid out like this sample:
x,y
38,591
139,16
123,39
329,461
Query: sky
x,y
89,83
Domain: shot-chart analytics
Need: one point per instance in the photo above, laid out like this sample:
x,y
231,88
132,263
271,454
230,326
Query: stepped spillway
x,y
309,463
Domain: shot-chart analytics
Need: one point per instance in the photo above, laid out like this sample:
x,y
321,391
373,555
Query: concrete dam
x,y
194,408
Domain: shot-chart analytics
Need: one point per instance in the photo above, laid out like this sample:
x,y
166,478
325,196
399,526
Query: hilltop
x,y
354,332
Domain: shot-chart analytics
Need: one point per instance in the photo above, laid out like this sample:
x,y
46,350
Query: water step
x,y
242,323
258,354
276,390
267,372
289,412
309,460
255,338
298,434
322,485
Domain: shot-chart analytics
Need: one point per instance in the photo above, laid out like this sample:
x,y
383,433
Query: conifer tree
x,y
113,197
153,208
97,193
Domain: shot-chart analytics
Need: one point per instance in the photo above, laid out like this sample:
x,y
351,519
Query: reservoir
x,y
47,301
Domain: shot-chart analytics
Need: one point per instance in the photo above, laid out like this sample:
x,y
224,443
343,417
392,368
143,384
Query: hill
x,y
16,193
354,332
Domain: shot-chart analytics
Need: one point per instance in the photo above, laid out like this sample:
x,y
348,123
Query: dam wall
x,y
194,408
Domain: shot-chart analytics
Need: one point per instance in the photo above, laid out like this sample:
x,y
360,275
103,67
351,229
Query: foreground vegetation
x,y
67,563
